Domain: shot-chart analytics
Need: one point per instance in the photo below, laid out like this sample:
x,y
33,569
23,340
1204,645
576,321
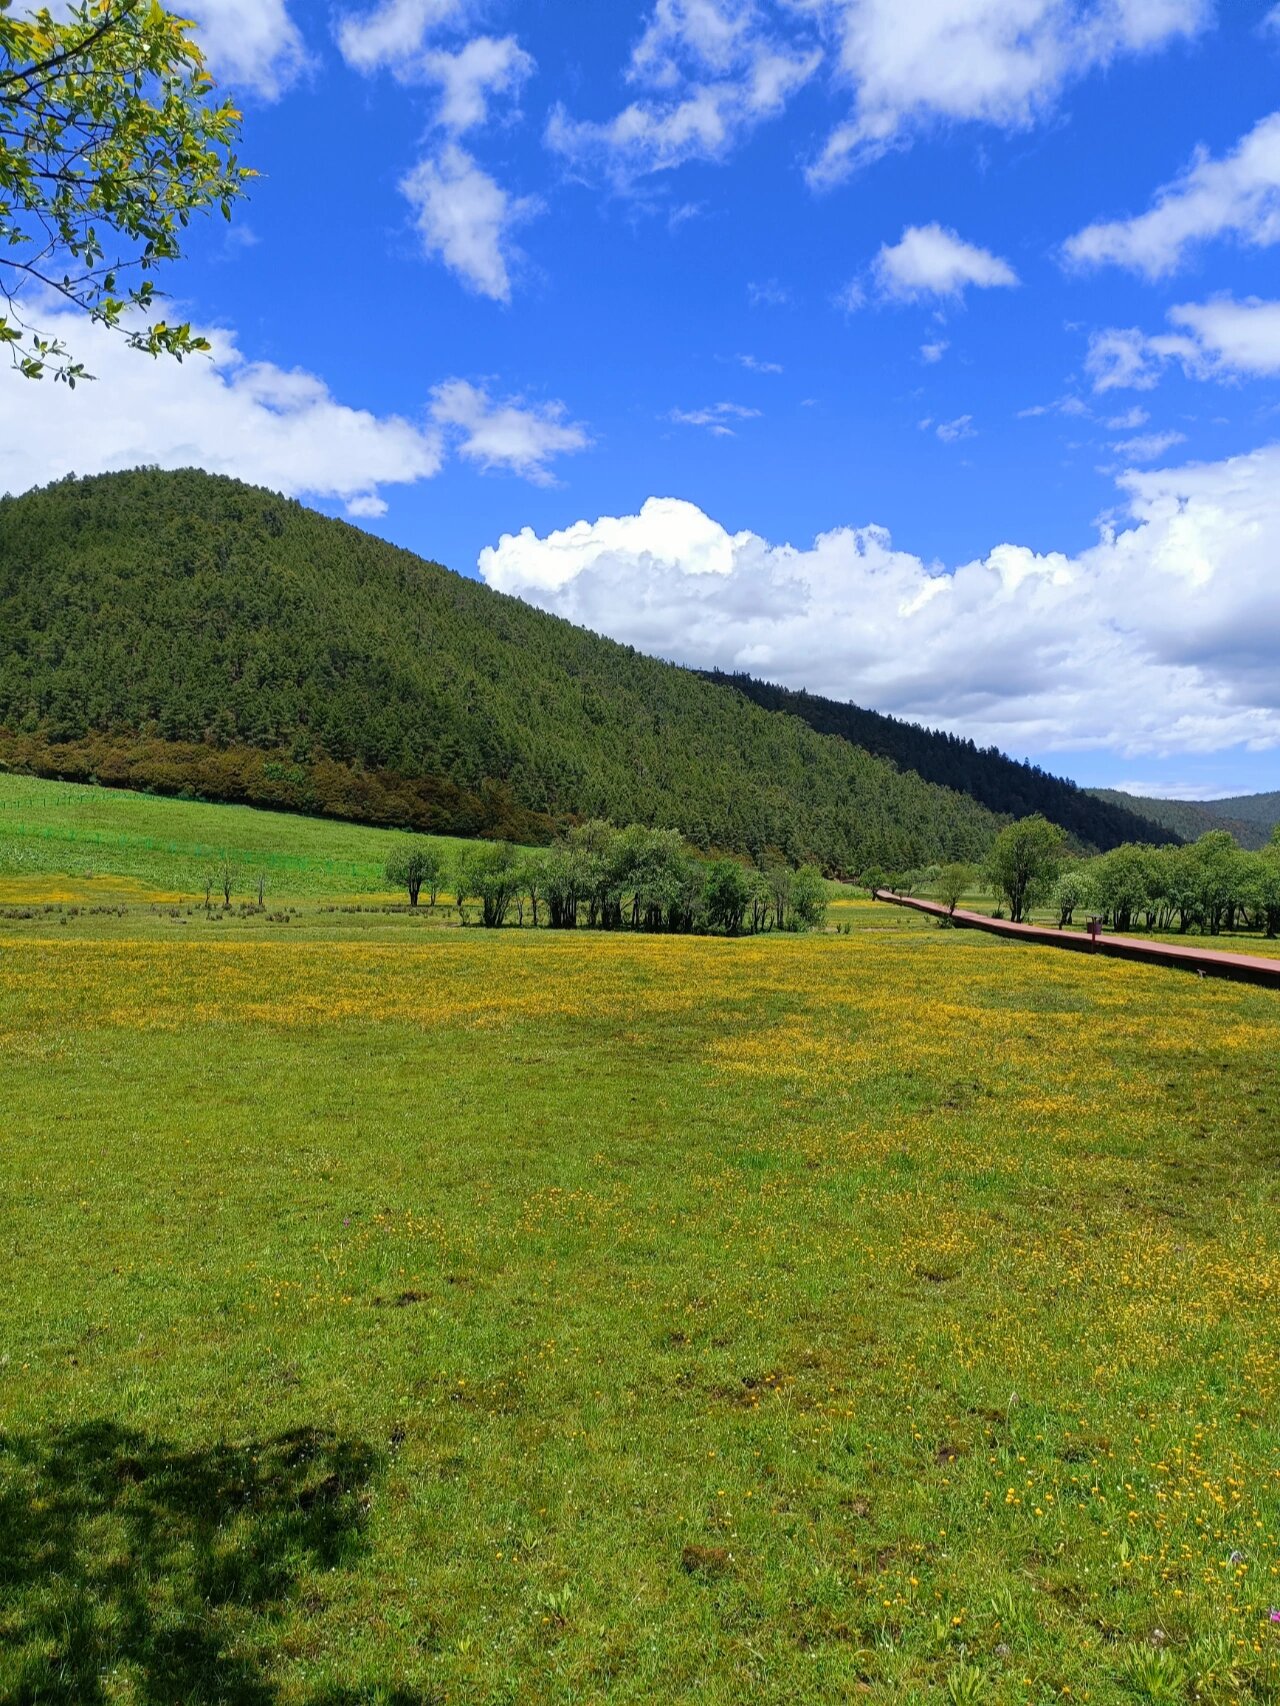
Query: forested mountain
x,y
1000,783
1250,817
189,633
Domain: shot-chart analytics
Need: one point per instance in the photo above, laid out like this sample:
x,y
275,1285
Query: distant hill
x,y
190,634
1250,817
1001,784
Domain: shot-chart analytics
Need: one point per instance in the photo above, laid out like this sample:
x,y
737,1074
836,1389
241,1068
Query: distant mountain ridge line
x,y
1249,817
187,632
1002,784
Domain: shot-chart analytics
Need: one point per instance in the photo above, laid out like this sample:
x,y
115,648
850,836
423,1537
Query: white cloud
x,y
1229,337
253,46
709,72
465,218
1161,638
1129,421
950,432
1219,339
1148,447
934,351
753,364
393,34
484,66
1120,359
998,62
273,426
716,418
929,260
1237,196
510,435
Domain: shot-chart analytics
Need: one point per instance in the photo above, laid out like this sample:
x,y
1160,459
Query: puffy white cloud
x,y
998,62
393,34
716,418
1229,337
465,218
934,351
273,426
929,260
710,72
1218,339
253,46
753,364
1129,421
1237,196
276,427
1162,637
482,67
510,435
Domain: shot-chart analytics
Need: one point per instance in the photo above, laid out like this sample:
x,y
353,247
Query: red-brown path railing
x,y
1244,968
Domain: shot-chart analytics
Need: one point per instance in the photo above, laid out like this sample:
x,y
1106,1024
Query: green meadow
x,y
398,1313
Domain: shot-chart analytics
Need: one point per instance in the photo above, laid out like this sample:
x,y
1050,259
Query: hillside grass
x,y
110,845
405,1315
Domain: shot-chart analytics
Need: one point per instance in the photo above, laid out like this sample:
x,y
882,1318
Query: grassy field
x,y
109,845
398,1314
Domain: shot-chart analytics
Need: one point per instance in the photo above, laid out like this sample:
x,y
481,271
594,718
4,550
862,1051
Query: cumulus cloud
x,y
934,351
716,418
1162,637
482,67
465,218
392,35
709,73
1219,339
278,427
753,364
273,426
931,261
1237,196
997,62
511,435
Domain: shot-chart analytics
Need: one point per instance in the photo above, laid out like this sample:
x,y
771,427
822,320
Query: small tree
x,y
262,891
779,876
726,895
1024,862
227,874
808,898
413,867
761,902
1072,891
953,882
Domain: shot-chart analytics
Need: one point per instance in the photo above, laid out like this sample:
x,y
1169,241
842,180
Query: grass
x,y
108,844
398,1314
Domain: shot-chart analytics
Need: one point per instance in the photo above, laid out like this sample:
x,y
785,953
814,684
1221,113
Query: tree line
x,y
598,877
1208,886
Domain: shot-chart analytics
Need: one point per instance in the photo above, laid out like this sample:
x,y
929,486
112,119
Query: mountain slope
x,y
1000,783
1249,817
186,632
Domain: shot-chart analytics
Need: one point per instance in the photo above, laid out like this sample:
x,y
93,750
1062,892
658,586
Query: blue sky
x,y
949,293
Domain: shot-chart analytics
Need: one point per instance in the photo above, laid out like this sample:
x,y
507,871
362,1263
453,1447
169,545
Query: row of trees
x,y
604,878
1210,885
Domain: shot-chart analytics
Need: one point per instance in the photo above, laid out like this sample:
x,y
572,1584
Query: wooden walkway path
x,y
1243,968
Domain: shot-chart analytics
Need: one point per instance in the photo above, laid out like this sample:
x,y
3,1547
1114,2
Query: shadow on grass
x,y
135,1571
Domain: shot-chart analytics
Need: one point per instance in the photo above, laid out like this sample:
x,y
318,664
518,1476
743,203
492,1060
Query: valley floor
x,y
400,1314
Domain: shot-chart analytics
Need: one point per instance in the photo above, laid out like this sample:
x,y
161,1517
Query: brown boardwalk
x,y
1244,968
